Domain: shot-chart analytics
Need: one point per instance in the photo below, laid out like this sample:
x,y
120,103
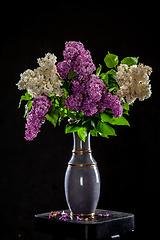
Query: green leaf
x,y
108,76
62,115
98,71
68,128
28,107
93,121
114,121
120,121
82,133
66,86
57,102
106,118
52,115
74,127
110,80
65,92
111,60
26,97
94,132
130,61
52,95
112,72
71,114
126,106
104,76
111,89
104,129
72,74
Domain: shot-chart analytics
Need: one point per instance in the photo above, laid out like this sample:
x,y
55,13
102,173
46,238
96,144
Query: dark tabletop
x,y
98,227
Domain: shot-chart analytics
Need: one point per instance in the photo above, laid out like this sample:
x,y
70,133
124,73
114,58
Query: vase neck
x,y
79,144
81,153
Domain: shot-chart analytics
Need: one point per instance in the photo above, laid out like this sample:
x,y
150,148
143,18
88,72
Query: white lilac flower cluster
x,y
43,80
133,82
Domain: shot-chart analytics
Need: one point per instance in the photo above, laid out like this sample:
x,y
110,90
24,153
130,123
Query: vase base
x,y
82,215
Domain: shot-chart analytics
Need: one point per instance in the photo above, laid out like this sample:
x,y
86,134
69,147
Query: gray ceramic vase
x,y
82,179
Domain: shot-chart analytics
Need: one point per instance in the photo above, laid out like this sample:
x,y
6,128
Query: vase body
x,y
82,179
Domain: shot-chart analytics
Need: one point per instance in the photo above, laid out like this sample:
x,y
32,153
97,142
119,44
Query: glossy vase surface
x,y
82,179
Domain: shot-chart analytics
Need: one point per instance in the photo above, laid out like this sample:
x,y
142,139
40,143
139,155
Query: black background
x,y
32,173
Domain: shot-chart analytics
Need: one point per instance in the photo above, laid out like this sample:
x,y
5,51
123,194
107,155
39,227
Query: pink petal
x,y
100,215
57,213
106,215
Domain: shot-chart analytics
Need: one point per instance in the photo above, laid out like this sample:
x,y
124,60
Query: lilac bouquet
x,y
74,88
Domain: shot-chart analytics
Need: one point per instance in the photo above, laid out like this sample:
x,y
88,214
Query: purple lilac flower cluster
x,y
89,91
112,102
36,117
78,59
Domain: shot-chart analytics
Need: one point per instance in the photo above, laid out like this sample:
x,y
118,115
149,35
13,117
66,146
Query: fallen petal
x,y
66,215
78,218
57,213
106,215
